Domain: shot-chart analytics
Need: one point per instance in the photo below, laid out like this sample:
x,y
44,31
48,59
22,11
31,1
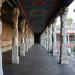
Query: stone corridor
x,y
36,62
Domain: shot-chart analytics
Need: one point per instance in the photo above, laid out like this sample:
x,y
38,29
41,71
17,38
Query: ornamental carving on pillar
x,y
16,13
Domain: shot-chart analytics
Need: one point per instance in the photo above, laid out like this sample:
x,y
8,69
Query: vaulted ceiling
x,y
40,13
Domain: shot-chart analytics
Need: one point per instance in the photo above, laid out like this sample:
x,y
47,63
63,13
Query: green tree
x,y
69,21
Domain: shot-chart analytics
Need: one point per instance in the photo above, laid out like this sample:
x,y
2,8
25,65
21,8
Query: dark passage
x,y
37,62
37,38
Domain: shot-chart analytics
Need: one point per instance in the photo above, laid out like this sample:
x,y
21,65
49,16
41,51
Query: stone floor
x,y
36,62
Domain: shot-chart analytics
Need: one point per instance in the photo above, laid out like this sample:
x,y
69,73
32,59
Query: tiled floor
x,y
36,62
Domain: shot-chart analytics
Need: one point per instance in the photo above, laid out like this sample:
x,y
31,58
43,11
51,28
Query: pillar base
x,y
15,60
63,61
15,55
26,50
22,50
49,51
55,53
1,71
22,53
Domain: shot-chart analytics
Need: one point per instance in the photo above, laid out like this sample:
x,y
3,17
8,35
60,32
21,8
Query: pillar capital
x,y
16,13
65,11
23,23
0,7
0,3
0,19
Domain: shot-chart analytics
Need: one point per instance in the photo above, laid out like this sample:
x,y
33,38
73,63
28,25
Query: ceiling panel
x,y
40,13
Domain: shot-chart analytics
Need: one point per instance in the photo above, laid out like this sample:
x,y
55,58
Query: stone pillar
x,y
26,36
28,42
15,52
63,47
1,70
22,47
68,38
55,40
50,37
47,38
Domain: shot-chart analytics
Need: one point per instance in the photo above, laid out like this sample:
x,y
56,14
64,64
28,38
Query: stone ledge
x,y
6,46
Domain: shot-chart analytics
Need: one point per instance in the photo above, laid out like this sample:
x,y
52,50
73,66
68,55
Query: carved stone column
x,y
47,38
15,52
1,70
50,37
22,48
63,47
68,39
26,36
55,40
27,42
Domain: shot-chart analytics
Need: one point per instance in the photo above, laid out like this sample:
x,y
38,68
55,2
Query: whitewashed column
x,y
29,41
68,38
42,39
55,40
47,39
50,37
1,70
15,52
22,47
64,59
26,41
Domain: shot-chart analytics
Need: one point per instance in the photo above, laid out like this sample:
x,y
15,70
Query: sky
x,y
71,13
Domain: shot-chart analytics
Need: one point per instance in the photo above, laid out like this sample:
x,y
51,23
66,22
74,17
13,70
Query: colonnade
x,y
26,40
52,38
48,38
